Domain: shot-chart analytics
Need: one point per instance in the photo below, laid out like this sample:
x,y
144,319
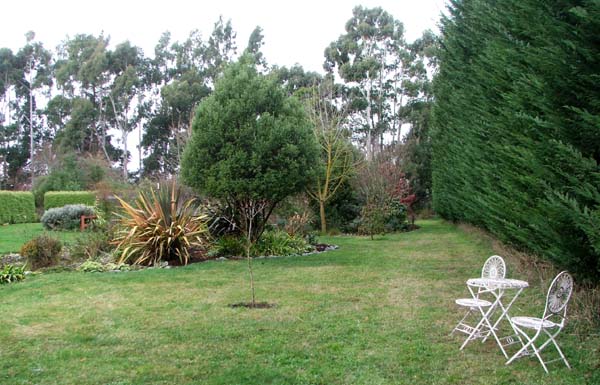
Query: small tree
x,y
385,190
338,163
251,146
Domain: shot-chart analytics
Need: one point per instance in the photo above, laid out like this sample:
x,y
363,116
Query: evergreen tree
x,y
251,147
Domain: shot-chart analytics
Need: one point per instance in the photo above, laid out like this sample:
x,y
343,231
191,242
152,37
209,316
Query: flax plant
x,y
160,226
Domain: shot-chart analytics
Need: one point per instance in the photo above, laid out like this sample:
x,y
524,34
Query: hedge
x,y
62,198
516,144
17,207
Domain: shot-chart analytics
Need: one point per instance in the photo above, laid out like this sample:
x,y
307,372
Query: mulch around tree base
x,y
256,305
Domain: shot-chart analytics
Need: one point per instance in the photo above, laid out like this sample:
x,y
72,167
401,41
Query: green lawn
x,y
372,312
12,237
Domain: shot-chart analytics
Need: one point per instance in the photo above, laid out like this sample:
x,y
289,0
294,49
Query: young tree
x,y
251,147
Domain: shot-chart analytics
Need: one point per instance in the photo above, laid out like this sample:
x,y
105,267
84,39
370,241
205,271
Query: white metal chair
x,y
551,323
493,268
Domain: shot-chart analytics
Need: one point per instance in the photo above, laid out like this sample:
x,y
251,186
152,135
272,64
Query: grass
x,y
372,312
12,237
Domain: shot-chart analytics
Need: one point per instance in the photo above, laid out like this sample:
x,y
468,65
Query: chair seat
x,y
472,302
533,323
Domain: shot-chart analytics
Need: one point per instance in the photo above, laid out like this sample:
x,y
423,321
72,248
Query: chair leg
x,y
518,353
472,335
525,346
537,350
460,322
551,338
538,355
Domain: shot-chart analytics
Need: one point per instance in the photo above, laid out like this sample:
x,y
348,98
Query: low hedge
x,y
54,199
17,207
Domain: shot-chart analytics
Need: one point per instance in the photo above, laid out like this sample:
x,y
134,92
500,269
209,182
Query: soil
x,y
256,305
321,247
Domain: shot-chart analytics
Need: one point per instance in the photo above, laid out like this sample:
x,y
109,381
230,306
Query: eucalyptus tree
x,y
8,129
9,75
179,82
255,43
82,74
35,62
415,147
372,59
220,49
295,79
126,94
183,75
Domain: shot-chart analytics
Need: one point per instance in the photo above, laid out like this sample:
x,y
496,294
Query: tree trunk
x,y
369,138
31,150
124,138
248,246
322,214
103,130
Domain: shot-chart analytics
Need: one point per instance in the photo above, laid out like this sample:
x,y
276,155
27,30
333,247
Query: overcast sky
x,y
295,31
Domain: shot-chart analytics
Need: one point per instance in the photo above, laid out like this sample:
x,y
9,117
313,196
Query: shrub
x,y
161,226
17,207
298,224
54,199
65,218
280,243
372,219
42,251
91,267
72,172
220,219
251,146
396,216
228,246
98,267
10,273
91,245
272,242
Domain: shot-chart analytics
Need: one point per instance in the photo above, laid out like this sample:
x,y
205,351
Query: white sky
x,y
295,31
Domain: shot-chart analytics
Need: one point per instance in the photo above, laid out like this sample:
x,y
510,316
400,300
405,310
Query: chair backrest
x,y
559,295
494,267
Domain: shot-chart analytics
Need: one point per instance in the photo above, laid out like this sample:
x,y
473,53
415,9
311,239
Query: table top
x,y
498,283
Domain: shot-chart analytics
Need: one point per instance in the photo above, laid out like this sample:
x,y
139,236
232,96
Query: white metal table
x,y
501,289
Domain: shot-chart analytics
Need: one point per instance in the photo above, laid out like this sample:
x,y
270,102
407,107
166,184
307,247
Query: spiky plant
x,y
160,226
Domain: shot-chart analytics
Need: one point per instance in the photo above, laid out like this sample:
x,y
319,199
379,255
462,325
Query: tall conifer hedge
x,y
516,142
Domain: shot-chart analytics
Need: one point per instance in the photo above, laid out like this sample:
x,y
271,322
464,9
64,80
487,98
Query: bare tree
x,y
338,163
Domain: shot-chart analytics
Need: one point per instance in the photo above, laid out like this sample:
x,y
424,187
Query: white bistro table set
x,y
493,295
